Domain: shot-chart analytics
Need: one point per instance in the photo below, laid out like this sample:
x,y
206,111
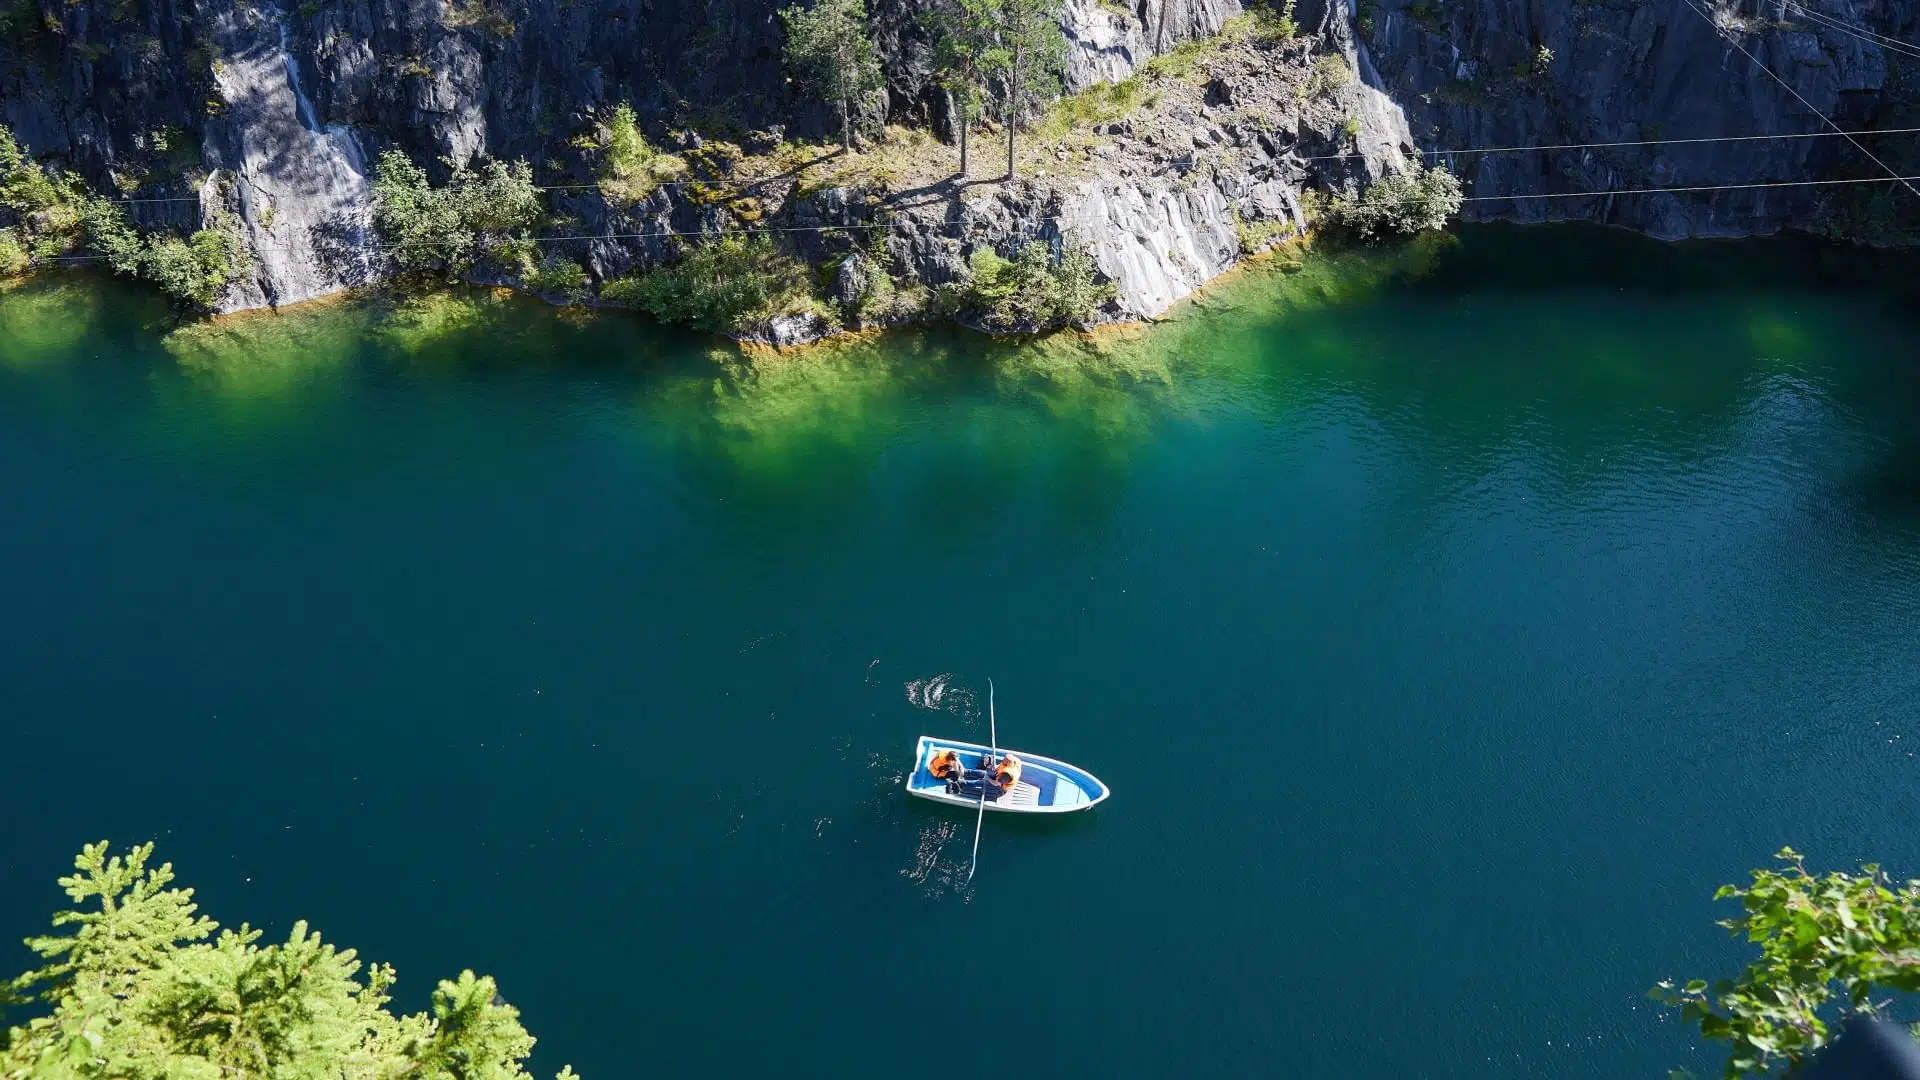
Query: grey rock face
x,y
1503,73
1190,188
1104,45
1157,243
1107,42
300,190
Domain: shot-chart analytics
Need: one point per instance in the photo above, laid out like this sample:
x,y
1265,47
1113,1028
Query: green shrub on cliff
x,y
14,258
47,206
728,285
196,269
1401,204
55,213
560,276
1032,291
630,167
135,983
477,214
1331,74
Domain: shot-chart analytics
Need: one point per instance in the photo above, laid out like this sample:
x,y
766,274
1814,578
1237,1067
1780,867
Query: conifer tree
x,y
964,39
828,48
132,987
1031,53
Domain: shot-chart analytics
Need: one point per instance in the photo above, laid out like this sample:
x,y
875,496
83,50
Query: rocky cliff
x,y
1506,74
269,115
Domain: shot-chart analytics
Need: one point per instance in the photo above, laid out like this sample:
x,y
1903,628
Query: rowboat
x,y
1046,785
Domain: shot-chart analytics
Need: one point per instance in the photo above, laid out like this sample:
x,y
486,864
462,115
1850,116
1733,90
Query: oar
x,y
993,738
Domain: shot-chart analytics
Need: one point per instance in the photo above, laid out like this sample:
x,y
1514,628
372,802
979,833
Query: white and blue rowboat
x,y
1046,786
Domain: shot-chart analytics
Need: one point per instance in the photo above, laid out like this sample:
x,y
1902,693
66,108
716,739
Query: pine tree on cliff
x,y
1031,53
135,982
828,48
965,36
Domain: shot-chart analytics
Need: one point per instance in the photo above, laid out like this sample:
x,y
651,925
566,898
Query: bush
x,y
1264,25
27,187
865,290
196,269
729,285
110,234
1537,67
877,295
49,205
478,214
1258,236
1032,291
1401,204
55,213
560,276
1330,75
13,254
631,168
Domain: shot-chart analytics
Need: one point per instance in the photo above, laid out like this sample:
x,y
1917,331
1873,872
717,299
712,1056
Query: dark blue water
x,y
1447,626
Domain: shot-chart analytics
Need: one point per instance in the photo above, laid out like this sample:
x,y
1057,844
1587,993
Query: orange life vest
x,y
1007,773
945,765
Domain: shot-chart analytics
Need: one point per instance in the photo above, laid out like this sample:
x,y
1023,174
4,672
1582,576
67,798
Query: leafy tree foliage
x,y
728,285
1401,204
828,47
135,984
483,213
1028,60
1033,291
1855,935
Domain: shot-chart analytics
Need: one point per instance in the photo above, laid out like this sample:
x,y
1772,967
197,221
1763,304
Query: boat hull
x,y
1047,785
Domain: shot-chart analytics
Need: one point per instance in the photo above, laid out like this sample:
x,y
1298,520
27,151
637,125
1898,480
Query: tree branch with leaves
x,y
1828,944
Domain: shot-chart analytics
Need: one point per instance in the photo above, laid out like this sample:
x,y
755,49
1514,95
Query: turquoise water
x,y
1448,626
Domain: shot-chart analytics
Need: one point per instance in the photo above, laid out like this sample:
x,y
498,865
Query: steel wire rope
x,y
1729,39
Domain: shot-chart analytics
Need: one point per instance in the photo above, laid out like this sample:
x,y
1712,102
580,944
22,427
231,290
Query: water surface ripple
x,y
1448,622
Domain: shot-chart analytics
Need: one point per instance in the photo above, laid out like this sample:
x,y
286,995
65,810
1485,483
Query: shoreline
x,y
1288,256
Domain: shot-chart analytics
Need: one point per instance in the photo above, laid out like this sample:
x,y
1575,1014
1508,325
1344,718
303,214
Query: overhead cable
x,y
1729,39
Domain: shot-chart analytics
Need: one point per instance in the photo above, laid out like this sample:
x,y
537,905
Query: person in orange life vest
x,y
945,765
1007,773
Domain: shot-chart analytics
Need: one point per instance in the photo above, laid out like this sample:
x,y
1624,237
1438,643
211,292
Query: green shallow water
x,y
1447,624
